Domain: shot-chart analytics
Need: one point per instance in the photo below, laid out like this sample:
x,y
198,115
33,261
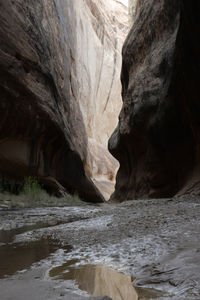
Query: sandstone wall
x,y
157,138
131,10
42,131
101,28
59,82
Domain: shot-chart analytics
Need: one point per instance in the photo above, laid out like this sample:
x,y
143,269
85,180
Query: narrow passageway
x,y
99,101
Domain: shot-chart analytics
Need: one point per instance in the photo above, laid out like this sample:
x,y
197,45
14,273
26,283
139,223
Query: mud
x,y
154,241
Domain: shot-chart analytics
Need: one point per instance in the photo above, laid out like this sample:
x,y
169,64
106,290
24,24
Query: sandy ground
x,y
156,241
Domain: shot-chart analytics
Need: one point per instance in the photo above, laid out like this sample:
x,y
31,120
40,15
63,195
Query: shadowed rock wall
x,y
42,132
157,139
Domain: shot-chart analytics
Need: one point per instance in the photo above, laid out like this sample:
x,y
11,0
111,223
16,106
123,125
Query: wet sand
x,y
155,241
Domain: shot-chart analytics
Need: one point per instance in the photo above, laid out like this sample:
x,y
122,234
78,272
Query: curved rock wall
x,y
42,131
101,30
157,138
59,82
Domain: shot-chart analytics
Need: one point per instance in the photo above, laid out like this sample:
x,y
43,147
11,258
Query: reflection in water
x,y
15,257
98,281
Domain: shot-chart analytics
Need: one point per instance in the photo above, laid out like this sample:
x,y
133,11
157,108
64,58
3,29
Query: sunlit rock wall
x,y
131,11
102,27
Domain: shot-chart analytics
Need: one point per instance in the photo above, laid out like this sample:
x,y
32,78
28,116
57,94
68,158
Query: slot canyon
x,y
99,150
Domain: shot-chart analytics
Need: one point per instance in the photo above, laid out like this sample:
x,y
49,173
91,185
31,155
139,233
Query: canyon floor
x,y
141,249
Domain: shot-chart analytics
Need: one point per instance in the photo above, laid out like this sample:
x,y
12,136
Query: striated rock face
x,y
101,28
157,139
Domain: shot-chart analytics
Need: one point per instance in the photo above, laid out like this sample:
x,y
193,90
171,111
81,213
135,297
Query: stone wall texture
x,y
157,140
59,62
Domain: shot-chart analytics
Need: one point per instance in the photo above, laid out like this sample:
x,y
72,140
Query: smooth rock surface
x,y
157,138
131,10
102,168
101,28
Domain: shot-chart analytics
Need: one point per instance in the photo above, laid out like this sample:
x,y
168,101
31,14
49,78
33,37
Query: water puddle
x,y
20,256
100,281
96,280
7,236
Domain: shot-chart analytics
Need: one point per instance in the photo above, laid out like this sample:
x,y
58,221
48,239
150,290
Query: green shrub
x,y
31,188
32,195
